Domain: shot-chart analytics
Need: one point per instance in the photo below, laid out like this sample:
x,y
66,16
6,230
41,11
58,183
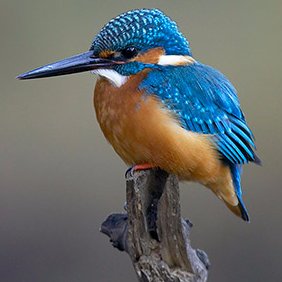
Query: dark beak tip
x,y
24,76
20,77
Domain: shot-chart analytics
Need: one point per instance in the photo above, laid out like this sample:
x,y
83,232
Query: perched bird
x,y
160,107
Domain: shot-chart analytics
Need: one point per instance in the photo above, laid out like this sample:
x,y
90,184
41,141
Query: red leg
x,y
142,167
131,170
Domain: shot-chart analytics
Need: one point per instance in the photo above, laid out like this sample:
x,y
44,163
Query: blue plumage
x,y
206,102
145,29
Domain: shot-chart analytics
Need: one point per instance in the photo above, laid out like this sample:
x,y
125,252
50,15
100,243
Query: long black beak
x,y
78,63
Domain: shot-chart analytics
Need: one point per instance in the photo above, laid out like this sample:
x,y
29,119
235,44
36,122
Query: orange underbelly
x,y
142,131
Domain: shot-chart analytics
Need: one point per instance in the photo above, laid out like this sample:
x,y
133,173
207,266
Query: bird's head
x,y
129,43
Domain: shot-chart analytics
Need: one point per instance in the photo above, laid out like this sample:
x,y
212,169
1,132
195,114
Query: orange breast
x,y
121,113
142,131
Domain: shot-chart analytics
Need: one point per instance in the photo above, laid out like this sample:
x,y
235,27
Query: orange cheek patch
x,y
150,57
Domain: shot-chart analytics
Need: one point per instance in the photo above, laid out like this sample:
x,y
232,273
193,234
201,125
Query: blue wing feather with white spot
x,y
206,102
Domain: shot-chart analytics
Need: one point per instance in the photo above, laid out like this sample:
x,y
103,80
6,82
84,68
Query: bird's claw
x,y
130,171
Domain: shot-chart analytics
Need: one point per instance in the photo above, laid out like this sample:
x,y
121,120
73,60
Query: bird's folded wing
x,y
205,102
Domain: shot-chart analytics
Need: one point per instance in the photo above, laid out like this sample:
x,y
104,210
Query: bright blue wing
x,y
206,102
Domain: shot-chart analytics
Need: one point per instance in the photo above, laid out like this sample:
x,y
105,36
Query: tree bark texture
x,y
153,232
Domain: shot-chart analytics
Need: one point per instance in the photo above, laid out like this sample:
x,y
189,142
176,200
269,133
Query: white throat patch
x,y
175,60
114,77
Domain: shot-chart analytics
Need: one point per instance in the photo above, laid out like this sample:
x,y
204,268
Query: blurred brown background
x,y
59,177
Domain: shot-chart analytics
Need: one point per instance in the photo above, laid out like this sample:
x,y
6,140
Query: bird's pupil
x,y
129,52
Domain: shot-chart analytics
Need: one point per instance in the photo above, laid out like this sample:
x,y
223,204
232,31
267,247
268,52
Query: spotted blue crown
x,y
144,29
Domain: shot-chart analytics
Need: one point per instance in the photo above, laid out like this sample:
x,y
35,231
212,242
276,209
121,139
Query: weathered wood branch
x,y
153,232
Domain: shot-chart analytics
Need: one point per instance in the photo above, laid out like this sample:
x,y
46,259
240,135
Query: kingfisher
x,y
160,107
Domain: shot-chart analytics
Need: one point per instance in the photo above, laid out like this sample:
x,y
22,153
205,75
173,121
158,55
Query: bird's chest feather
x,y
141,130
124,116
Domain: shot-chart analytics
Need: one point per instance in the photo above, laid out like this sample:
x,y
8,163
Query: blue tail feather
x,y
244,212
236,171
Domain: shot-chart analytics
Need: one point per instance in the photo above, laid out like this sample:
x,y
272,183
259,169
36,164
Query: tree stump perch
x,y
153,233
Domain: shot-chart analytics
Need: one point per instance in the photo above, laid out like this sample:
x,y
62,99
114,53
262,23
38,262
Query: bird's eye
x,y
129,52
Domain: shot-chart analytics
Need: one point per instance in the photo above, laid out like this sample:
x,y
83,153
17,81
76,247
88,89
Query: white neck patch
x,y
114,77
175,60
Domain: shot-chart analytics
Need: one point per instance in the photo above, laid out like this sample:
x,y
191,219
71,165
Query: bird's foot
x,y
142,167
129,172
